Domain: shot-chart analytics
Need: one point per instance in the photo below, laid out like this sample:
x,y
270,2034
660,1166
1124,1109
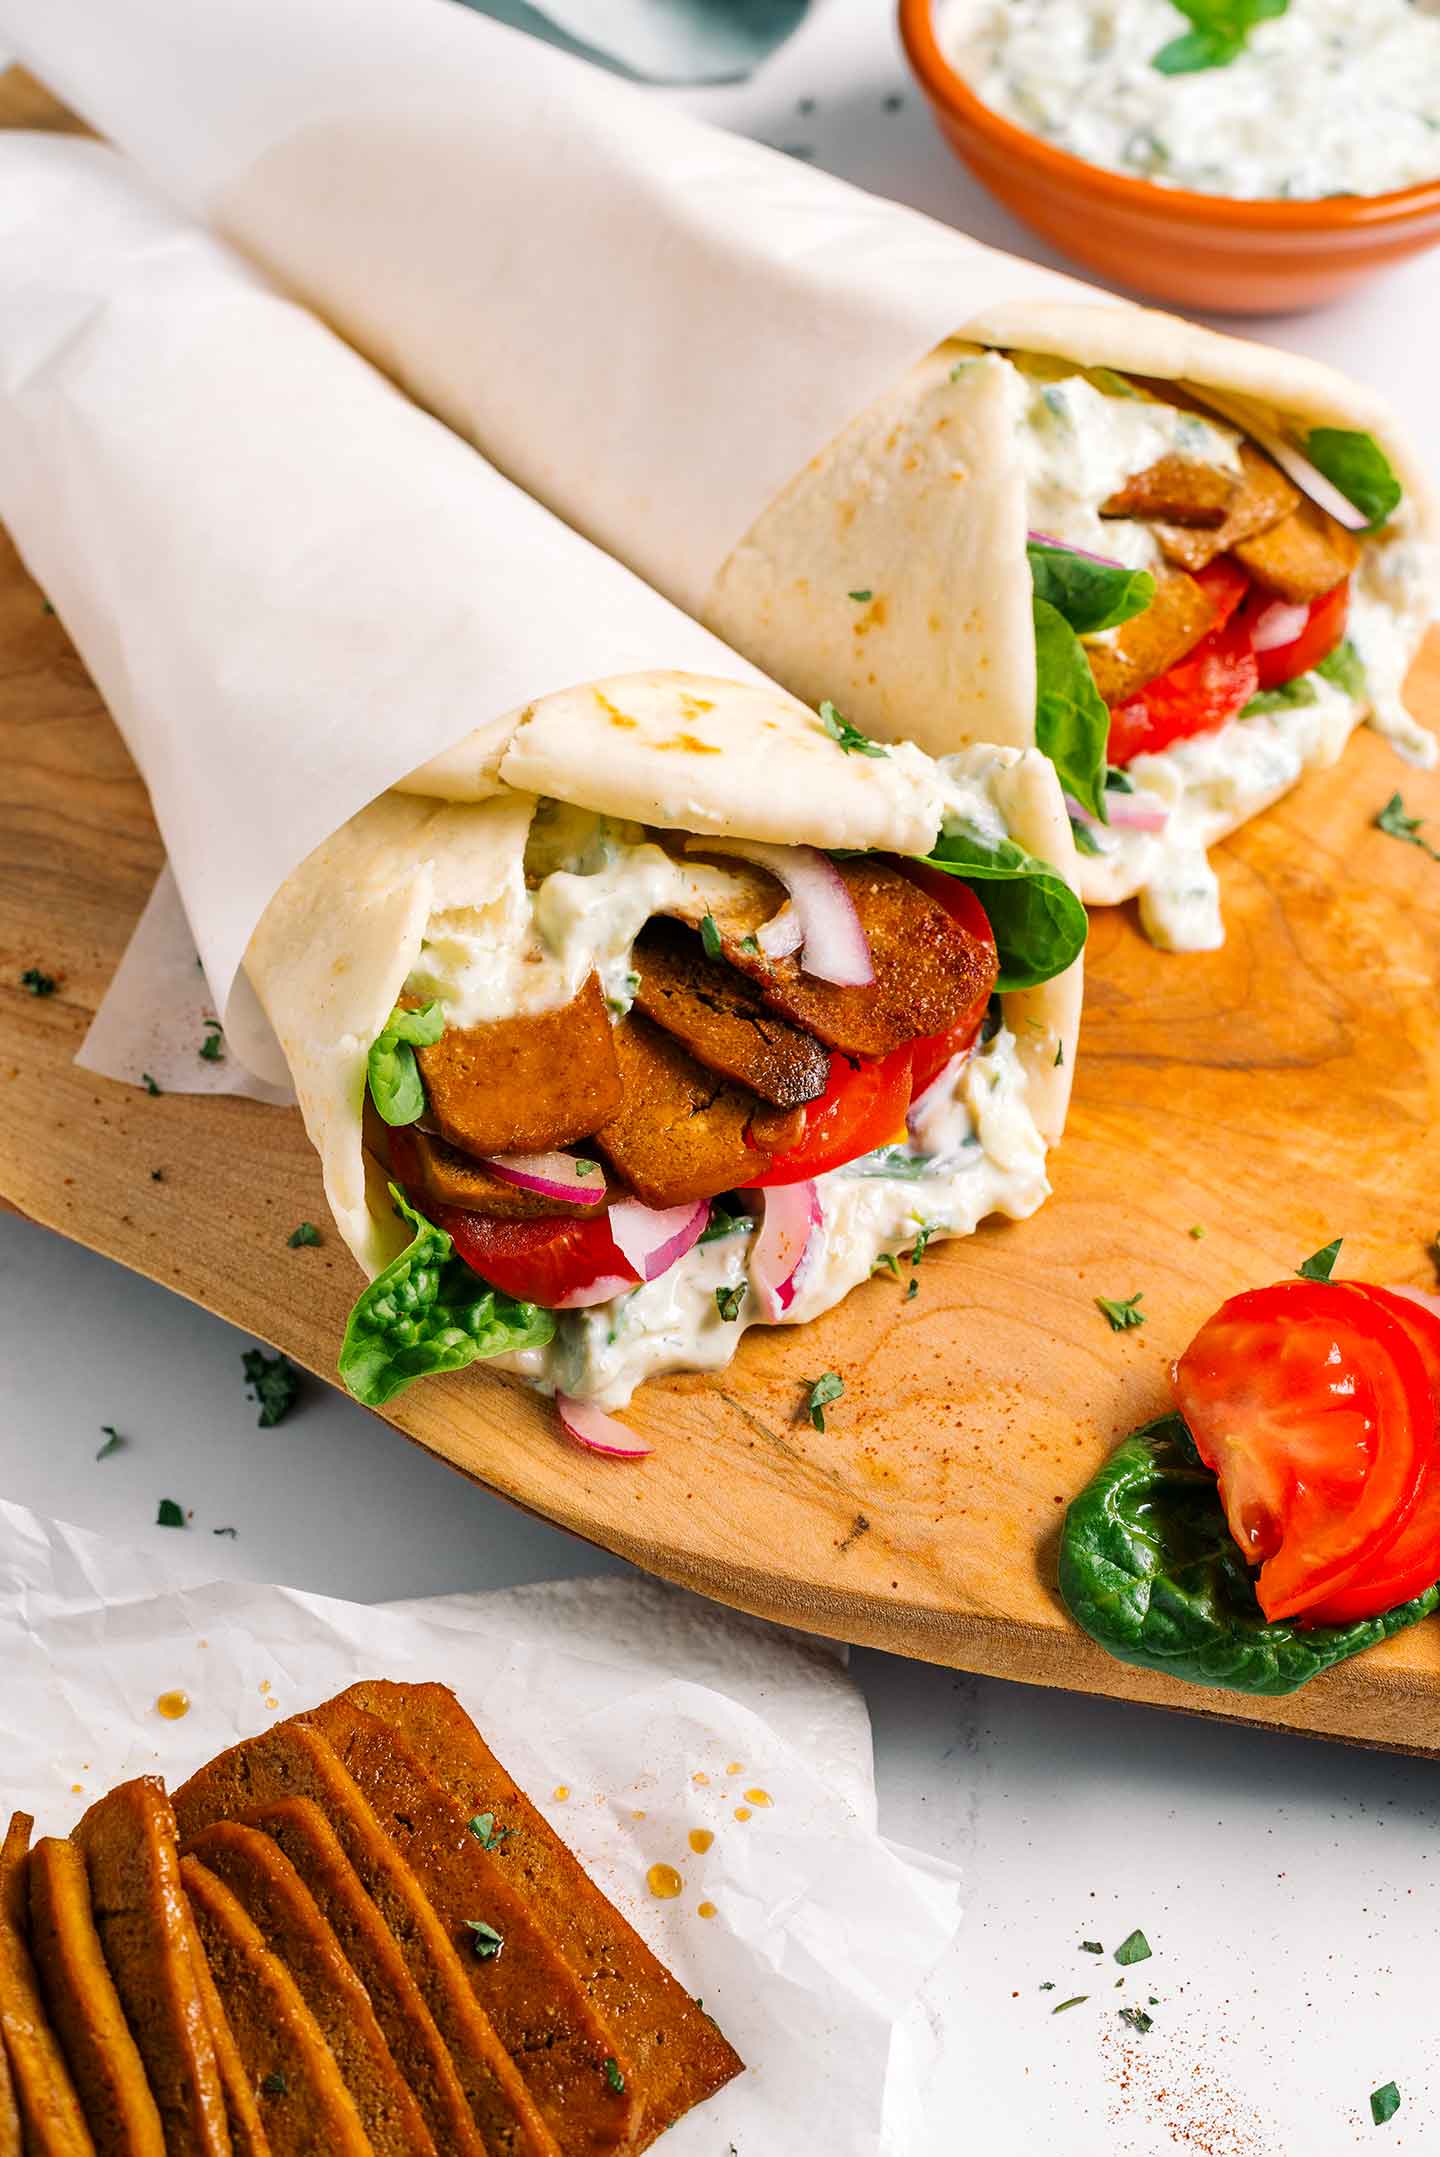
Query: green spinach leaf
x,y
1359,467
429,1312
1072,724
1091,595
392,1072
1148,1568
1217,35
1039,923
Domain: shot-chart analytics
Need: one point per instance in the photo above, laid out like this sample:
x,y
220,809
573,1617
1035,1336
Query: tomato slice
x,y
863,1106
1201,691
1313,1406
1410,1562
930,1053
537,1261
1325,620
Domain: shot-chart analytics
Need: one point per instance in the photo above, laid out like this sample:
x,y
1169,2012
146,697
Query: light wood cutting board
x,y
1277,1093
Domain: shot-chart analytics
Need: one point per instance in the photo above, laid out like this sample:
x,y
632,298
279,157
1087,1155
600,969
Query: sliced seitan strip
x,y
1302,557
537,2004
1148,644
524,1084
247,2128
929,971
307,1839
722,1020
303,2099
10,2128
294,1760
276,1899
1265,496
681,1133
128,1843
1179,488
678,2055
49,2105
447,1177
85,2009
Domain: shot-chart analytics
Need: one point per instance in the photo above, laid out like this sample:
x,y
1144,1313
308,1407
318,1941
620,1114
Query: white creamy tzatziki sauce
x,y
970,1147
1334,97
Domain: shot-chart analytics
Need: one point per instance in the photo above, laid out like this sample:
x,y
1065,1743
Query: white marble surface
x,y
1288,1888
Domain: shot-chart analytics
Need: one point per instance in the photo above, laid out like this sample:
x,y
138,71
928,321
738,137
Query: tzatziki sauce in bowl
x,y
1252,156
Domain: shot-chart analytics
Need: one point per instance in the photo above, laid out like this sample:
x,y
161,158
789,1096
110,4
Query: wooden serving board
x,y
1277,1093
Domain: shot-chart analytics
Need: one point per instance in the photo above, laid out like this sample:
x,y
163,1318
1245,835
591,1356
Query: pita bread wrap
x,y
774,427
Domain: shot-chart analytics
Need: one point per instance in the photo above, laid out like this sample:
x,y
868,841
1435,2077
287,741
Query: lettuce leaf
x,y
392,1073
1039,923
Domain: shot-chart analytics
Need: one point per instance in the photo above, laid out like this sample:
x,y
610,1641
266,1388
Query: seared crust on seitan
x,y
677,2054
247,2129
1302,557
527,1083
722,1020
54,2123
1264,496
307,1839
1179,488
303,2099
278,1902
928,970
681,1131
85,2010
128,1843
448,1177
538,2006
1148,644
10,2143
295,1760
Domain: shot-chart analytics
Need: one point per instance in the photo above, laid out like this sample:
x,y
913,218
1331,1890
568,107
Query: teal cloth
x,y
676,41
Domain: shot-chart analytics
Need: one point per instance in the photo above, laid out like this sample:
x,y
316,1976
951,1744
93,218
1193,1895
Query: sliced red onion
x,y
781,934
1322,491
1422,1296
600,1290
1066,546
1126,810
653,1239
551,1175
792,1214
834,942
590,1427
1280,624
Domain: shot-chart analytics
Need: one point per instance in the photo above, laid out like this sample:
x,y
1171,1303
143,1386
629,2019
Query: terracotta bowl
x,y
1204,251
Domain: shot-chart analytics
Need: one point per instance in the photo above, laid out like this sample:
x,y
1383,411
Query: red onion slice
x,y
1125,812
653,1239
551,1175
590,1427
1322,491
835,948
1048,539
781,934
1281,623
792,1215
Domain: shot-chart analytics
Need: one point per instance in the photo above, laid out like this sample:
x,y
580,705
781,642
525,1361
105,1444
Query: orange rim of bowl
x,y
1337,214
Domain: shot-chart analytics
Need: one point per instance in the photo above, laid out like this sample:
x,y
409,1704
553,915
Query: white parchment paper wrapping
x,y
622,1692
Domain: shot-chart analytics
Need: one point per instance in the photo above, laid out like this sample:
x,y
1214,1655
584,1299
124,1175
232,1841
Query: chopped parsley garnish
x,y
710,936
1085,840
1135,1949
1059,1055
274,1383
861,596
231,1532
851,740
212,1048
1077,1999
1137,2019
169,1514
1092,1947
1384,2103
483,1828
750,945
613,2075
148,1083
1320,1264
113,1441
887,1262
157,1175
927,1230
274,2084
1049,1985
307,1232
1395,824
38,983
912,1291
1197,1234
729,1300
487,1942
1124,1315
45,607
828,1387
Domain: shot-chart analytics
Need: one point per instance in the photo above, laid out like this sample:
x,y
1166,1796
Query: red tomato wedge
x,y
1410,1563
1313,1405
863,1106
537,1261
1325,620
1201,691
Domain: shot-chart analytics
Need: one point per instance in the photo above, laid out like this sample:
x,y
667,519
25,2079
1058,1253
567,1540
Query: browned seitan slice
x,y
722,1020
929,971
307,1839
276,1899
242,2105
85,2009
1265,496
678,2054
682,1132
295,1761
49,2106
1302,557
303,2099
1178,488
539,2007
448,1177
10,2130
1176,619
524,1084
128,1842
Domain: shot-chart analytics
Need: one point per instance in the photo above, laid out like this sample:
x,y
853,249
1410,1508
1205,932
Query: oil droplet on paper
x,y
637,1816
736,1767
266,1686
77,1790
560,1793
706,1909
700,1777
173,1705
742,1812
700,1840
759,1797
664,1882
